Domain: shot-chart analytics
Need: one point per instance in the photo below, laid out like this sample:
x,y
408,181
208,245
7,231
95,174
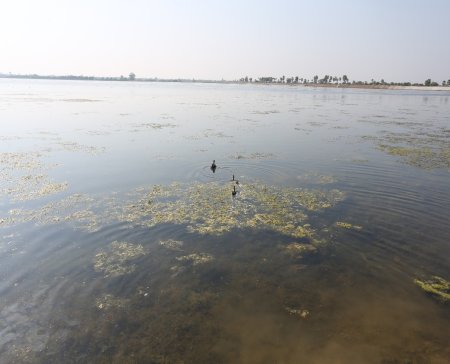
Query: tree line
x,y
326,79
131,77
337,80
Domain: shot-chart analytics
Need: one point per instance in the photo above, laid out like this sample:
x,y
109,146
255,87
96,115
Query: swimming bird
x,y
213,166
233,193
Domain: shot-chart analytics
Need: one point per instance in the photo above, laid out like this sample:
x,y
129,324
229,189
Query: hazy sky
x,y
392,39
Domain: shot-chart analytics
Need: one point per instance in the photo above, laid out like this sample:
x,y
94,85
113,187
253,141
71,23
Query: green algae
x,y
316,178
297,249
423,144
108,302
34,187
265,112
76,209
209,208
69,146
347,225
29,187
20,160
23,177
154,126
196,258
297,312
424,147
204,208
253,156
426,157
436,286
170,244
116,259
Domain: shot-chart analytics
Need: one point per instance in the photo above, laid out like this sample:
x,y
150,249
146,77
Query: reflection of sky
x,y
150,131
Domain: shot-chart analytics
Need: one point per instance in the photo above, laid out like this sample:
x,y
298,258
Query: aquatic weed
x,y
436,286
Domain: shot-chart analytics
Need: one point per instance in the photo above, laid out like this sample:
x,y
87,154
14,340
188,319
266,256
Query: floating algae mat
x,y
420,147
23,177
205,208
420,156
209,208
76,208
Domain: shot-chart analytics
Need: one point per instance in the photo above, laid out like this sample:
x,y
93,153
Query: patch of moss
x,y
436,286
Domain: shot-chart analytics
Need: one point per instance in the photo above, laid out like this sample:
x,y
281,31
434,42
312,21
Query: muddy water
x,y
118,243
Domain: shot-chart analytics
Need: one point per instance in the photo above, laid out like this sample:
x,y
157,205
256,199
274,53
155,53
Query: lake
x,y
120,244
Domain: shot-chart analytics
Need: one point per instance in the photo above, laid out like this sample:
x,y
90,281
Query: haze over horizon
x,y
391,40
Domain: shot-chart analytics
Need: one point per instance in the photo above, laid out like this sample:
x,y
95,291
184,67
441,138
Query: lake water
x,y
119,244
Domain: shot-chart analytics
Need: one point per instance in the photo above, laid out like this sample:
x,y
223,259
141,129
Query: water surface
x,y
118,243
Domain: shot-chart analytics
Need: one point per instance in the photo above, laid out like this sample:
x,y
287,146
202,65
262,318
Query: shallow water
x,y
119,244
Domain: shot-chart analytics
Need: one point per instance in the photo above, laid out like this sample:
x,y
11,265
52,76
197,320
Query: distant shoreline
x,y
381,87
140,80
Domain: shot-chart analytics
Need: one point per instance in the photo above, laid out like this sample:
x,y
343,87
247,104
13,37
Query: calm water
x,y
118,244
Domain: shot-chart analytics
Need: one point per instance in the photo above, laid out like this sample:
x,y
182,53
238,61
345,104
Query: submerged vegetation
x,y
316,178
23,177
347,225
115,260
297,312
108,302
196,258
436,286
421,156
208,208
298,250
419,144
170,244
204,208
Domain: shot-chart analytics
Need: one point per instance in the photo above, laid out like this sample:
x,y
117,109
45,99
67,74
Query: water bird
x,y
234,191
213,166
